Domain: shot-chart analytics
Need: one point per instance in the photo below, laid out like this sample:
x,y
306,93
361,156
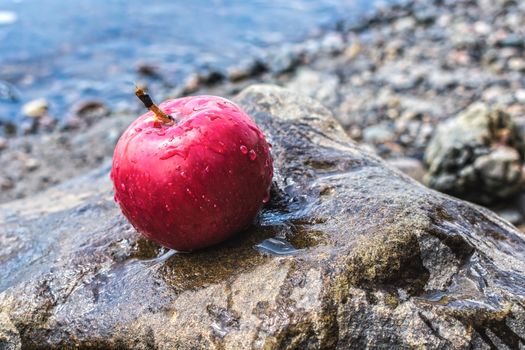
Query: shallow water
x,y
68,51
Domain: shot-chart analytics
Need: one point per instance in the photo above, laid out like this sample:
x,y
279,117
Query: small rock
x,y
6,183
333,43
285,60
211,77
47,123
236,74
86,113
9,128
520,95
29,127
512,40
404,24
477,155
31,164
380,133
352,51
517,64
36,108
148,70
3,143
255,68
482,28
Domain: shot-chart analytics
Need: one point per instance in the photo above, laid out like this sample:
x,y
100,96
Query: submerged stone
x,y
373,259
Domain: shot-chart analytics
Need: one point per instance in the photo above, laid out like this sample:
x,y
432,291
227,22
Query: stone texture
x,y
373,259
478,155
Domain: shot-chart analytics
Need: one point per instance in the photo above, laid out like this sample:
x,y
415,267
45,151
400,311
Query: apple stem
x,y
149,104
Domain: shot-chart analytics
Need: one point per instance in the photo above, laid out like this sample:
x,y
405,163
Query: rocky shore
x,y
373,258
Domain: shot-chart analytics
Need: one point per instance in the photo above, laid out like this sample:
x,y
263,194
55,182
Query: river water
x,y
70,51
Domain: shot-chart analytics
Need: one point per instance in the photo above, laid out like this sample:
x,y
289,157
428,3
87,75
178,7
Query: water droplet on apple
x,y
123,186
266,198
174,152
252,154
243,149
161,133
168,209
138,129
182,173
218,148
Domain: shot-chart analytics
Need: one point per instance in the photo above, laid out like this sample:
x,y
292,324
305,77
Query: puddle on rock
x,y
277,246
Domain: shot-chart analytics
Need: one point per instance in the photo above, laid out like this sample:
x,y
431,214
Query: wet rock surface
x,y
349,253
478,155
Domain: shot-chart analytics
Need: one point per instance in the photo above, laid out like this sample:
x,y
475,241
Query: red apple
x,y
191,172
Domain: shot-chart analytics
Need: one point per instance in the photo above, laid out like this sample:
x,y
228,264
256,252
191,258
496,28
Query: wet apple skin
x,y
197,182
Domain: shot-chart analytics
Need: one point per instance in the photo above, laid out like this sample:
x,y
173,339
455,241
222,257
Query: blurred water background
x,y
69,51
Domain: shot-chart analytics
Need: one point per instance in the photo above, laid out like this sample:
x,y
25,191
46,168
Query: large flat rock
x,y
349,253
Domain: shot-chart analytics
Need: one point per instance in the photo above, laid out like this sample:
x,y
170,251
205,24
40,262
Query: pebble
x,y
31,164
352,51
517,64
6,183
86,113
380,133
148,70
520,96
404,24
3,143
36,108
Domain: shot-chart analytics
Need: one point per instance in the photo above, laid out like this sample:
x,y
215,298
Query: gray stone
x,y
477,155
379,133
372,260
